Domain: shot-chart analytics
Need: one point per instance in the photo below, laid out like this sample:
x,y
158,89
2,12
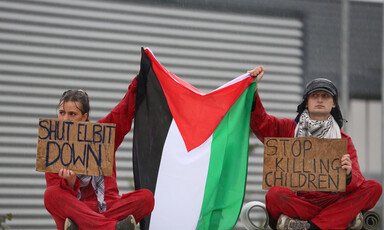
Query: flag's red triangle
x,y
196,114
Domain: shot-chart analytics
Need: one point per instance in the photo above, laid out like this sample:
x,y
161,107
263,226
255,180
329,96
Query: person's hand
x,y
69,176
257,72
346,163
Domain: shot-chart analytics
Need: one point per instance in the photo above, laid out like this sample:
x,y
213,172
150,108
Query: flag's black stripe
x,y
152,121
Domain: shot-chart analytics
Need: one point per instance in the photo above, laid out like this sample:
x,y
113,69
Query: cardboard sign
x,y
84,147
304,164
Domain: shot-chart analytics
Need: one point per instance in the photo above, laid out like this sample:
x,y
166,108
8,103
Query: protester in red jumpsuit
x,y
319,116
74,202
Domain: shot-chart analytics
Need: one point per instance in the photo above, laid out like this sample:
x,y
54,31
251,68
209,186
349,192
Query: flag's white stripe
x,y
239,78
180,183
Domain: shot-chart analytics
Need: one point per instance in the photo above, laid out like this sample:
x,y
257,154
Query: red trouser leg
x,y
62,204
339,214
281,200
139,203
340,210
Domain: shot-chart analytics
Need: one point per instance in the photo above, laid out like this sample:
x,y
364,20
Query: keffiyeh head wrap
x,y
306,127
98,186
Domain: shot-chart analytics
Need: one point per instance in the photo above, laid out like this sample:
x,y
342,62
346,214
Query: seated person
x,y
319,116
94,202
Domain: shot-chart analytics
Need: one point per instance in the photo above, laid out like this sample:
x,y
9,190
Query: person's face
x,y
320,104
70,111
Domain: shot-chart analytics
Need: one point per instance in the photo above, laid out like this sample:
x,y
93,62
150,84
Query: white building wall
x,y
364,127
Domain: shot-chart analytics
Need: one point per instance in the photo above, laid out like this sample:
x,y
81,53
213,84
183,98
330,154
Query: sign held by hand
x,y
83,147
304,164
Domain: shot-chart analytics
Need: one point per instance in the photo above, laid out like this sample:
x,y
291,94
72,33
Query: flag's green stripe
x,y
227,173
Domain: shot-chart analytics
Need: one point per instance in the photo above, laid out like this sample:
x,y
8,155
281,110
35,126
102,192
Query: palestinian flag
x,y
190,148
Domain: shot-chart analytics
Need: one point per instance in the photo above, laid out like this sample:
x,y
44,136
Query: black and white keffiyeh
x,y
307,127
98,186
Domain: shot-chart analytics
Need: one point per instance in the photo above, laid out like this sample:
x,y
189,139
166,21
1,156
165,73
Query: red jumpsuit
x,y
326,210
61,201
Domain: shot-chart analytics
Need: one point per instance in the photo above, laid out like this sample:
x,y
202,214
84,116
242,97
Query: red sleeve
x,y
53,179
264,125
123,114
357,177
